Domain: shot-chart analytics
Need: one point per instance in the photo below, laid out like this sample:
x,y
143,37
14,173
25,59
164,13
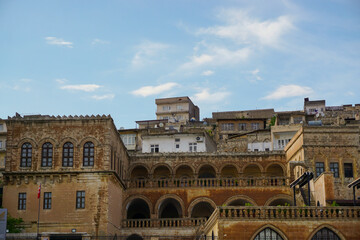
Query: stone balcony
x,y
209,182
163,223
286,212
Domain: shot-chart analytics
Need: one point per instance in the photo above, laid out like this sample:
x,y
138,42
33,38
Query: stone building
x,y
81,165
92,187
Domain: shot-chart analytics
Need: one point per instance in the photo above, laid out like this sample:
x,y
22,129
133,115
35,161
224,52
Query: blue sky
x,y
115,57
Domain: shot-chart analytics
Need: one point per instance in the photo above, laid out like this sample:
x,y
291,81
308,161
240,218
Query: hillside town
x,y
242,174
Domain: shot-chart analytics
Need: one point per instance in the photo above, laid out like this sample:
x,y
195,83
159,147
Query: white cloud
x,y
205,96
146,52
99,41
103,97
207,73
61,80
286,91
255,73
217,56
58,41
152,90
242,29
81,87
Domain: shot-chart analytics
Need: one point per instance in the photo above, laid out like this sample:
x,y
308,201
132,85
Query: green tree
x,y
14,224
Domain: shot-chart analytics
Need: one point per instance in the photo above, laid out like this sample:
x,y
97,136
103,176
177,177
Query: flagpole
x,y
39,195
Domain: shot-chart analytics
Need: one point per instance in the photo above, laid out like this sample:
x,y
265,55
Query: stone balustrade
x,y
208,182
164,222
284,212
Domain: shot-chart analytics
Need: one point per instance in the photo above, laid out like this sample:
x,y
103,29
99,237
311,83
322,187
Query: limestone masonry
x,y
255,174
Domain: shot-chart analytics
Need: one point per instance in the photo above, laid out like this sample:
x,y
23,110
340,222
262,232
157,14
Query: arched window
x,y
47,155
325,233
268,234
68,155
88,158
26,155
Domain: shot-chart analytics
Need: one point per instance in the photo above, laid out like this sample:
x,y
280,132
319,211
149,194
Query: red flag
x,y
39,191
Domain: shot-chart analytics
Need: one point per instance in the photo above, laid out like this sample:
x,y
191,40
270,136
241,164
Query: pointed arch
x,y
274,232
337,235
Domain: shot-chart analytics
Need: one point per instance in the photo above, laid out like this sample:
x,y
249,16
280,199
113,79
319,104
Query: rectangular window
x,y
267,149
166,108
1,144
334,167
348,170
154,148
319,168
80,199
22,201
47,200
177,145
128,139
179,107
255,126
256,150
227,126
242,126
177,139
1,127
192,147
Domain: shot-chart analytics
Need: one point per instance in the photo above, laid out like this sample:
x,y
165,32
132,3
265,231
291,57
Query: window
x,y
26,155
242,126
179,107
22,201
47,200
177,139
325,233
128,139
268,234
256,150
154,148
227,126
80,199
46,156
1,127
68,155
319,168
88,158
334,167
177,145
166,108
254,126
267,149
1,144
192,147
348,170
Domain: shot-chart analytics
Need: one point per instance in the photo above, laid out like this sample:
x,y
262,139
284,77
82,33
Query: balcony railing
x,y
164,222
311,213
209,182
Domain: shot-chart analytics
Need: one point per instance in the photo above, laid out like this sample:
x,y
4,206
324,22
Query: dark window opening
x,y
348,170
47,155
68,155
22,201
26,155
334,167
47,200
88,158
80,199
319,168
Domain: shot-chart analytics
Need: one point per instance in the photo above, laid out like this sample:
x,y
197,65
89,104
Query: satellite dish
x,y
161,124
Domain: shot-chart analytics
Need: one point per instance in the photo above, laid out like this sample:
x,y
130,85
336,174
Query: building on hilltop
x,y
101,183
177,109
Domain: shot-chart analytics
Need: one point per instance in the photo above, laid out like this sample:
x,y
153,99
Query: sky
x,y
84,57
